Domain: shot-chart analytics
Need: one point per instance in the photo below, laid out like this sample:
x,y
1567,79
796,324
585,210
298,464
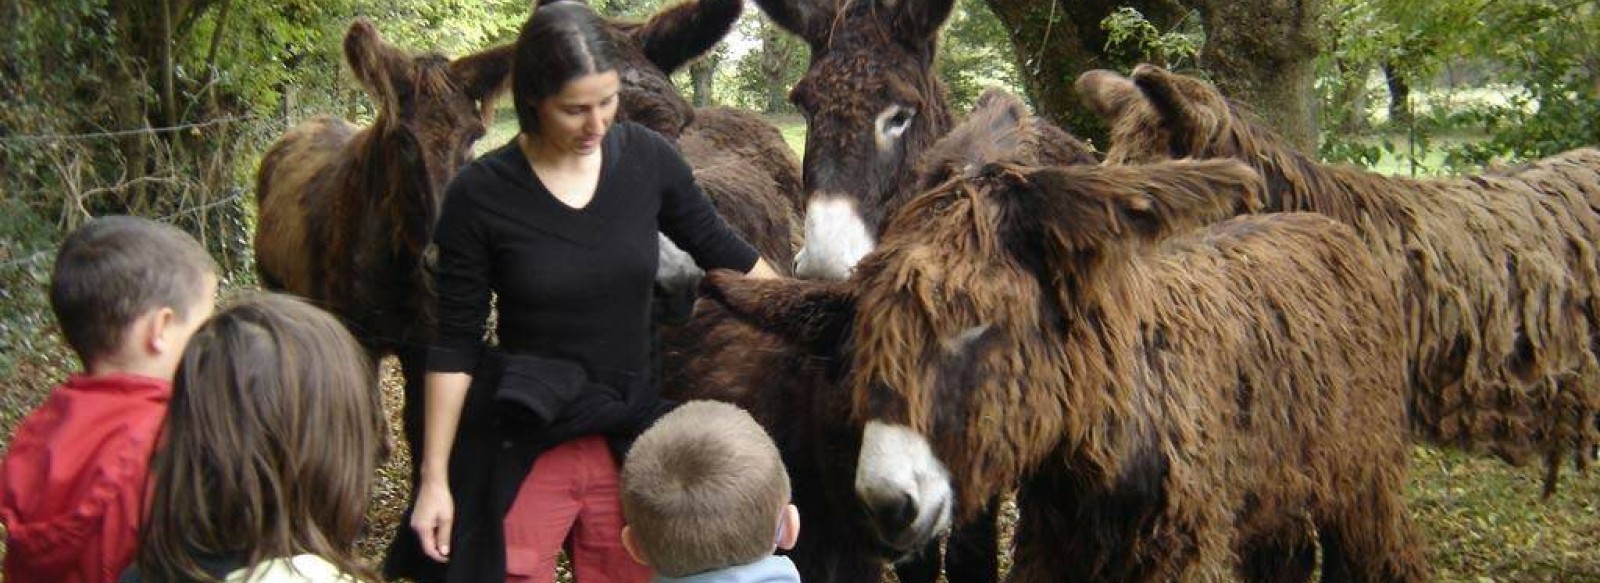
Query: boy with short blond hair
x,y
128,293
706,499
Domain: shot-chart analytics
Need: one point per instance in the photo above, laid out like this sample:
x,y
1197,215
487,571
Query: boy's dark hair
x,y
703,489
273,437
561,41
112,269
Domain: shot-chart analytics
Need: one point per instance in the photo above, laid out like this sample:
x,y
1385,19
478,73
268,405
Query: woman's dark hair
x,y
562,41
272,437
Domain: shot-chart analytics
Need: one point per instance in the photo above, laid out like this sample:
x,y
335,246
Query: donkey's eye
x,y
901,118
892,122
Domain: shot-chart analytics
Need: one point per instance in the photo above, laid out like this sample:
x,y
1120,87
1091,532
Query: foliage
x,y
1557,63
1128,29
761,77
1550,75
90,124
974,54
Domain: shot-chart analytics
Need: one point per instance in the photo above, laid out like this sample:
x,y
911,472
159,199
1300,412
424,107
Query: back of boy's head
x,y
113,269
703,489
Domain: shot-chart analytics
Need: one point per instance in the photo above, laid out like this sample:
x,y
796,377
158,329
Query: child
x,y
706,499
127,294
268,454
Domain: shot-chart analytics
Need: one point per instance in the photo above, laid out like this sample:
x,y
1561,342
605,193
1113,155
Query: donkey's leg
x,y
404,558
413,362
971,555
835,544
973,551
922,568
1289,557
1367,536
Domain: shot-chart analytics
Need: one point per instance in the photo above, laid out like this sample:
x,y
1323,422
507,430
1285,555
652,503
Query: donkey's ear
x,y
679,34
1000,110
483,75
811,20
996,131
1082,208
1107,94
377,64
810,313
1189,107
917,22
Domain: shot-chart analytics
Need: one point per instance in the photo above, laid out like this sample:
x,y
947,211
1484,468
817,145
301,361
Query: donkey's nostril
x,y
895,516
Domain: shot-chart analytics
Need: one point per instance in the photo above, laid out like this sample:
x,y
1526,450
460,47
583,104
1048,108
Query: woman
x,y
272,437
561,225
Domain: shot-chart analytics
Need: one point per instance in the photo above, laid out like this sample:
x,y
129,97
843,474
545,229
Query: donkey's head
x,y
975,343
430,111
999,130
1159,115
872,105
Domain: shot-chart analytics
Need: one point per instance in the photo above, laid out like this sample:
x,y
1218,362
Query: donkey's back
x,y
294,191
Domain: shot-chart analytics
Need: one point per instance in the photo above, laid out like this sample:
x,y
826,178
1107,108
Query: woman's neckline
x,y
524,152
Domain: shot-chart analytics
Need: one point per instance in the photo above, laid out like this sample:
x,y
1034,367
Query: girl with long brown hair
x,y
271,442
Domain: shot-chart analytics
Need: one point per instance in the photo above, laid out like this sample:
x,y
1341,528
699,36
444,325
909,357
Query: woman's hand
x,y
433,517
762,270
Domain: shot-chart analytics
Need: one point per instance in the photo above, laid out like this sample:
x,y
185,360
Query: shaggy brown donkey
x,y
1180,397
787,371
1498,274
345,212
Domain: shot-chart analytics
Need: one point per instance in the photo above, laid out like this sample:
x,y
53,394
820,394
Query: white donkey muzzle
x,y
905,489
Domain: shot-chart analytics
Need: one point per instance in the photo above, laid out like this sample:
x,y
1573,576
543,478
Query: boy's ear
x,y
631,544
788,527
157,330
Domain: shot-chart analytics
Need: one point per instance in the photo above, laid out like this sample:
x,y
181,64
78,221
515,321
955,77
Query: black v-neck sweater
x,y
573,284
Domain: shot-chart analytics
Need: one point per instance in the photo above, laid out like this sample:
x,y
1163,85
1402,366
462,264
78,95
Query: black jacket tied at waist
x,y
517,407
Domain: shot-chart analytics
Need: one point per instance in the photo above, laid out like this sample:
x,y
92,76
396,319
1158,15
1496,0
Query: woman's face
x,y
576,119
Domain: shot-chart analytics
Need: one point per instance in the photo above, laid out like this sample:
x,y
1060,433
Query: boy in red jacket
x,y
127,293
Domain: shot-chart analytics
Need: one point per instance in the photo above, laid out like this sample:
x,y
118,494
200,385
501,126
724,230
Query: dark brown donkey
x,y
345,212
872,106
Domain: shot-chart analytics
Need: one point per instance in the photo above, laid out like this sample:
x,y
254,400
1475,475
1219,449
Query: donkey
x,y
345,213
872,105
1180,397
1499,274
787,371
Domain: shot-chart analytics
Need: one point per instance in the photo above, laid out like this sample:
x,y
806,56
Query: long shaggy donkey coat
x,y
1177,402
777,349
1497,273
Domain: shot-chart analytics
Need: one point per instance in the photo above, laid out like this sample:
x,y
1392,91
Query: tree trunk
x,y
701,74
1399,95
1056,41
1262,53
211,58
774,62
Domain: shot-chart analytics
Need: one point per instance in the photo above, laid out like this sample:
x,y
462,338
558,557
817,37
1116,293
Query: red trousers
x,y
570,500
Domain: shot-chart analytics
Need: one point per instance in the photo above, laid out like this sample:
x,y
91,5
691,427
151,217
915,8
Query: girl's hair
x,y
561,41
272,437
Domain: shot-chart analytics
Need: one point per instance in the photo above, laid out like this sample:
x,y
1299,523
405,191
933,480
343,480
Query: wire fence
x,y
124,133
193,175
